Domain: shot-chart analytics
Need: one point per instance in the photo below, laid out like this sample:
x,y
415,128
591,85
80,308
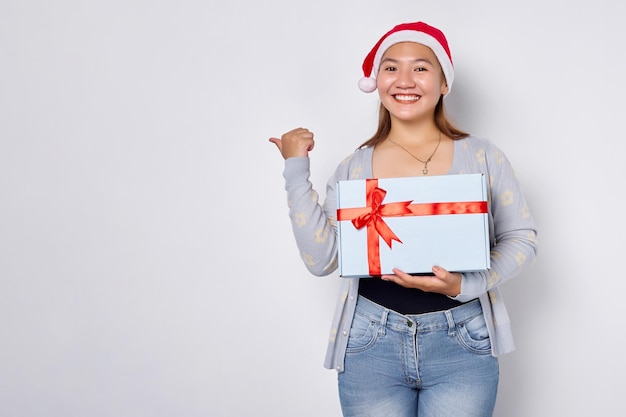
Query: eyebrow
x,y
426,60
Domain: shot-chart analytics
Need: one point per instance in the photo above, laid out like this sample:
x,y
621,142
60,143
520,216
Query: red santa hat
x,y
418,32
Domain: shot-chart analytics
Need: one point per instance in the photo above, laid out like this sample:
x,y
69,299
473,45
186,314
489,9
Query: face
x,y
410,81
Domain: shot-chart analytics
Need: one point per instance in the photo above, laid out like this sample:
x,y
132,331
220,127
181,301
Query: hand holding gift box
x,y
412,224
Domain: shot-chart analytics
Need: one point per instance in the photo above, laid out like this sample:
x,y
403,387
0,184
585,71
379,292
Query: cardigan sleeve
x,y
513,232
314,225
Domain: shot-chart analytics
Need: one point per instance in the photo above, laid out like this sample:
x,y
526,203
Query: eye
x,y
420,69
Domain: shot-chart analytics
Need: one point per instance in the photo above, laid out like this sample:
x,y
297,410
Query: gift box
x,y
412,223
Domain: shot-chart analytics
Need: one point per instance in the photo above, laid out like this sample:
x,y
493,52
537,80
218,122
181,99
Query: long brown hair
x,y
441,121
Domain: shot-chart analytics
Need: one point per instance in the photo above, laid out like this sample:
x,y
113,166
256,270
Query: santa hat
x,y
418,32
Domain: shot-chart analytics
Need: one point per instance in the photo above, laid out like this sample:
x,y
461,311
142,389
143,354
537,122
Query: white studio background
x,y
147,265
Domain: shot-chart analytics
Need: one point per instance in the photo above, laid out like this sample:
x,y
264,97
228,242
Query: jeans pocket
x,y
363,333
473,334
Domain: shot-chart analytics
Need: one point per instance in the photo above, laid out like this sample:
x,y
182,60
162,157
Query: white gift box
x,y
412,223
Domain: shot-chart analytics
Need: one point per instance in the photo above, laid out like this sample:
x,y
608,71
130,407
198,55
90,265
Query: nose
x,y
405,79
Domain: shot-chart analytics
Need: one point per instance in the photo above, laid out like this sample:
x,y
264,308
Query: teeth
x,y
402,97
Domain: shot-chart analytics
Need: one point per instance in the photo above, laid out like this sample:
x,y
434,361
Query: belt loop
x,y
383,321
451,325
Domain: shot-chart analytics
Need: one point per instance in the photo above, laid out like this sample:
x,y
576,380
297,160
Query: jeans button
x,y
409,323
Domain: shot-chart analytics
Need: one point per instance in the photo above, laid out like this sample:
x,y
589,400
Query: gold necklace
x,y
425,170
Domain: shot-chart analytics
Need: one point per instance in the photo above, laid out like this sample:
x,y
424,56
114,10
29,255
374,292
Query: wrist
x,y
457,288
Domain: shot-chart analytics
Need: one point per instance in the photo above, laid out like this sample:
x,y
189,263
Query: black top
x,y
403,300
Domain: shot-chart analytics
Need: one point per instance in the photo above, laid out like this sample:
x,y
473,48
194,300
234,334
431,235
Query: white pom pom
x,y
367,85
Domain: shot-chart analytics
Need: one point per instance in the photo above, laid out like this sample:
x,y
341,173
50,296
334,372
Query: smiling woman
x,y
407,343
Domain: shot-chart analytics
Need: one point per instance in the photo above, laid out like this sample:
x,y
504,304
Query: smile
x,y
404,97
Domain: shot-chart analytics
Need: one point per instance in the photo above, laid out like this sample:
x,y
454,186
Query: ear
x,y
444,88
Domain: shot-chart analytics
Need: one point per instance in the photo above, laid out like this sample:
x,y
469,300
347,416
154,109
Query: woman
x,y
407,345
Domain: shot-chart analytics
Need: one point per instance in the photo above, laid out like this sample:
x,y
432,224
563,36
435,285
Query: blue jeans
x,y
426,365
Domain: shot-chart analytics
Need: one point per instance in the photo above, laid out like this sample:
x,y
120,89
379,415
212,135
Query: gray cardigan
x,y
512,234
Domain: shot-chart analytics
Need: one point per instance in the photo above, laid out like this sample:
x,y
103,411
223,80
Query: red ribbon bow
x,y
376,210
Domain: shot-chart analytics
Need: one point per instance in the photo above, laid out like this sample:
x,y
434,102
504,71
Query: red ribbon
x,y
371,216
